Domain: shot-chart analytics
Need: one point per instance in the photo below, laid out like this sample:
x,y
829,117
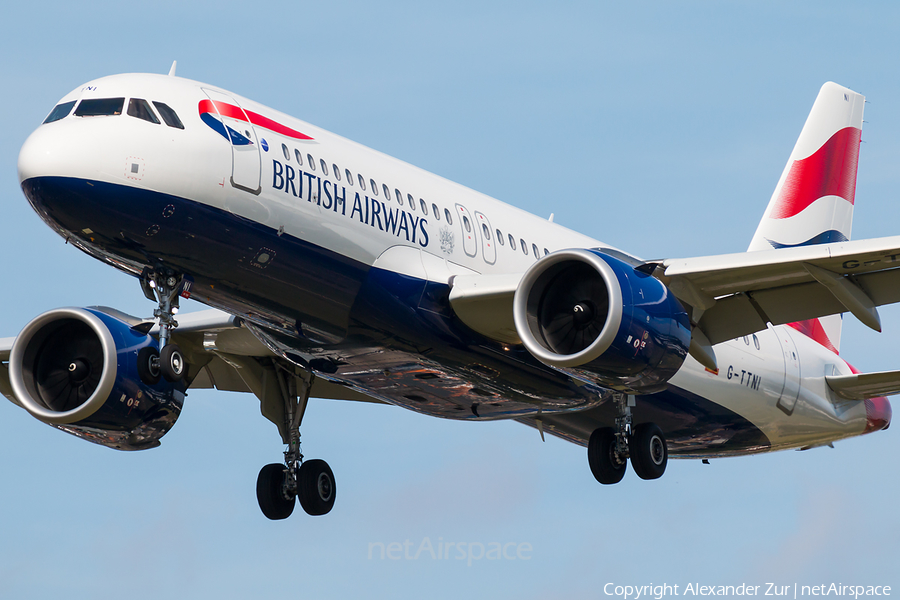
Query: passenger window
x,y
387,192
524,246
546,252
311,161
337,171
168,115
60,111
500,237
362,182
324,166
436,212
535,250
486,231
100,107
141,109
373,186
412,202
399,196
512,242
349,176
467,224
424,206
287,153
756,341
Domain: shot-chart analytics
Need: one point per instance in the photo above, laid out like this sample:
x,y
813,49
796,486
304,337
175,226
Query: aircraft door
x,y
488,244
245,157
470,244
791,390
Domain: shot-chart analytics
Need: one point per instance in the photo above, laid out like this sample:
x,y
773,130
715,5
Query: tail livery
x,y
813,201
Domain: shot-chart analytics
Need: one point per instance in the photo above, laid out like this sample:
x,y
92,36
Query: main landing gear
x,y
311,482
162,287
609,448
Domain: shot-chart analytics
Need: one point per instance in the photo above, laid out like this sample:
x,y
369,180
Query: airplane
x,y
334,271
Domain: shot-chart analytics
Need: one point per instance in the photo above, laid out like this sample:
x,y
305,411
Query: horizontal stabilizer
x,y
865,385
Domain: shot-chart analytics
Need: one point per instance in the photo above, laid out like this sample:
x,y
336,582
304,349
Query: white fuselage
x,y
406,221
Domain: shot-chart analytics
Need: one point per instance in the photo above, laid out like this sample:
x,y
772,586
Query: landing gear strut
x,y
311,482
610,448
163,287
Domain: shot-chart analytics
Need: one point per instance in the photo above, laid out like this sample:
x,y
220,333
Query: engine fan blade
x,y
68,366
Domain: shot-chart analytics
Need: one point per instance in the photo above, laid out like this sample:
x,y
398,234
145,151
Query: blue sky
x,y
657,127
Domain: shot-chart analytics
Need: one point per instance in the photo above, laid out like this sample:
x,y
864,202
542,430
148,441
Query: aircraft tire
x,y
172,363
315,487
607,469
148,365
269,494
649,453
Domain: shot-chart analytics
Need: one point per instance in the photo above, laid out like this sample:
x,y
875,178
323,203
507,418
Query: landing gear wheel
x,y
649,453
606,466
148,365
270,493
171,363
315,487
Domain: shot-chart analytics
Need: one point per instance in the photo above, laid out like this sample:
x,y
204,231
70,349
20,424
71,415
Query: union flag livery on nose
x,y
214,113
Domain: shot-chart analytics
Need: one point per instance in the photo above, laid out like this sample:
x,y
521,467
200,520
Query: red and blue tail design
x,y
813,201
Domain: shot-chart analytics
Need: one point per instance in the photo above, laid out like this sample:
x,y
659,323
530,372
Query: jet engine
x,y
77,370
599,319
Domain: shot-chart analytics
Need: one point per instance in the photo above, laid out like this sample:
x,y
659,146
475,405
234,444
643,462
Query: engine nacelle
x,y
76,369
595,317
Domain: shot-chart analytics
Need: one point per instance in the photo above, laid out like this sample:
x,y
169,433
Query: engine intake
x,y
76,369
594,316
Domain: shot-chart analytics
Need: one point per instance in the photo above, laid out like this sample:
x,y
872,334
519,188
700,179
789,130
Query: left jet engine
x,y
77,370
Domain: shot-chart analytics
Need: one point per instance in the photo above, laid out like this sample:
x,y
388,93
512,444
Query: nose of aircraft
x,y
42,154
57,150
878,414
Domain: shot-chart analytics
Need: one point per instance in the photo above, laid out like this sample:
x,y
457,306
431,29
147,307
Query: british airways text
x,y
330,196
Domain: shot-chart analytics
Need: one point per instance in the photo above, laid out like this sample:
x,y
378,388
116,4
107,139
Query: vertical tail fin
x,y
813,201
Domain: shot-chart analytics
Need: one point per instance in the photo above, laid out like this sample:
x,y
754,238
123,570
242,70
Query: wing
x,y
221,354
737,294
730,295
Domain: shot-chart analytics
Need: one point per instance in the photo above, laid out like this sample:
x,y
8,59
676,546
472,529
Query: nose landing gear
x,y
610,448
163,287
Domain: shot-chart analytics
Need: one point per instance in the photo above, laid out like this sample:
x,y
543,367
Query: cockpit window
x,y
60,111
140,108
168,115
99,107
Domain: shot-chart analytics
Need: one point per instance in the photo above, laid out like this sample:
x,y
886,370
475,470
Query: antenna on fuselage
x,y
172,70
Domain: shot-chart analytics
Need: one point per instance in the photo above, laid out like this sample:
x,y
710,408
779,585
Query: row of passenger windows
x,y
140,109
361,181
410,201
486,232
100,107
